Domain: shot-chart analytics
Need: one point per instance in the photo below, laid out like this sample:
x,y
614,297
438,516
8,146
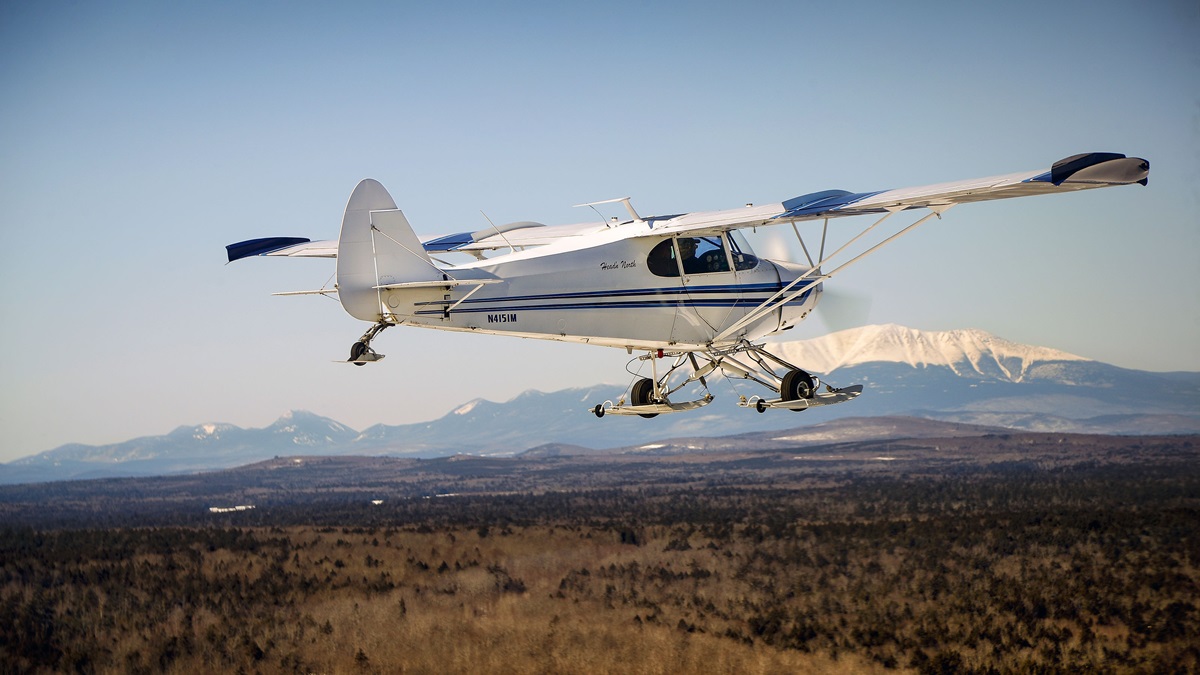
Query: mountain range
x,y
961,376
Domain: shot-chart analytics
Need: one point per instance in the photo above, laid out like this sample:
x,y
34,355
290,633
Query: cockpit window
x,y
699,255
662,260
743,257
702,255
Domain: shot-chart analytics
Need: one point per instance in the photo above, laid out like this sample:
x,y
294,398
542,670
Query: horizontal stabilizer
x,y
447,283
320,291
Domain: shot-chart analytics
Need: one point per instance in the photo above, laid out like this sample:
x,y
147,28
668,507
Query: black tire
x,y
356,350
796,385
642,394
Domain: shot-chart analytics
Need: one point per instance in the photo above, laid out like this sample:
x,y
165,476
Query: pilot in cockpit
x,y
687,253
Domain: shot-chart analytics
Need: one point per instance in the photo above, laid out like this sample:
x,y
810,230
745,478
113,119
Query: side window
x,y
702,255
662,260
743,258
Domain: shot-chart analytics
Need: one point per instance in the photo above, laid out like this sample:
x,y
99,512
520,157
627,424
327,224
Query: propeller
x,y
838,309
773,245
841,309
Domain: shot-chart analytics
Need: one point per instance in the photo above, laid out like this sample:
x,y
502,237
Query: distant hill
x,y
195,448
964,376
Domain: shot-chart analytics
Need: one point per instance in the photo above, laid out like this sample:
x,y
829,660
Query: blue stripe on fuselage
x,y
622,299
674,290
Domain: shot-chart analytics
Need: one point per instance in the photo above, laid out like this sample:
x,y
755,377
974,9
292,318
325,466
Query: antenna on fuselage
x,y
500,232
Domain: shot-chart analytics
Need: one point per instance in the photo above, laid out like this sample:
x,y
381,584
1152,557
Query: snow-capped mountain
x,y
964,376
301,428
204,446
967,353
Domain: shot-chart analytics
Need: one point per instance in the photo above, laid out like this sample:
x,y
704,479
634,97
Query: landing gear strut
x,y
798,390
650,396
361,352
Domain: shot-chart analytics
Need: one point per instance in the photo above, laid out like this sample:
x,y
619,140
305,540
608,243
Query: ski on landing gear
x,y
798,390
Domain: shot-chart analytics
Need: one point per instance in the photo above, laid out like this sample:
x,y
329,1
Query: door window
x,y
662,260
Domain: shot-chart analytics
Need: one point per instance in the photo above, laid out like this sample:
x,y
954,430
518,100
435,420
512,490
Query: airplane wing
x,y
516,235
523,234
1079,172
292,247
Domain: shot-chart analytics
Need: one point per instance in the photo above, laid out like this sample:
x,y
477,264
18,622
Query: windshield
x,y
743,257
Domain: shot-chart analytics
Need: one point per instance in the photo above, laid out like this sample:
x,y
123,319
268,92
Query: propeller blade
x,y
840,310
773,245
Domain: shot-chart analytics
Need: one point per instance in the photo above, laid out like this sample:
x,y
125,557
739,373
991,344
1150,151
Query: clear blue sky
x,y
137,139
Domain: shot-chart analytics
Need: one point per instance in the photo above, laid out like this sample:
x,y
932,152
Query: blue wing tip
x,y
261,246
1097,167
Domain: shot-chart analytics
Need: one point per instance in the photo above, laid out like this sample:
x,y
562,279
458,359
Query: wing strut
x,y
786,294
802,246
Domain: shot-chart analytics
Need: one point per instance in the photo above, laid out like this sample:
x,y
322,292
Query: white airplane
x,y
685,289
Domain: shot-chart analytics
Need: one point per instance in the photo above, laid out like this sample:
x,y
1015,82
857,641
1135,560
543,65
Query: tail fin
x,y
377,247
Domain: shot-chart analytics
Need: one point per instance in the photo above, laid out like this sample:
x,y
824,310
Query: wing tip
x,y
260,246
1111,168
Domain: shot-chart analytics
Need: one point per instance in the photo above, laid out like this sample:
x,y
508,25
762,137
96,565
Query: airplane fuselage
x,y
609,291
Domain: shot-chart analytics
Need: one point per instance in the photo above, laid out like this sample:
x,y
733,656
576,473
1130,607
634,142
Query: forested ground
x,y
1090,567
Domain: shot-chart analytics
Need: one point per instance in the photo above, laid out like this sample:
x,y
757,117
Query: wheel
x,y
642,394
598,410
356,350
760,406
796,385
